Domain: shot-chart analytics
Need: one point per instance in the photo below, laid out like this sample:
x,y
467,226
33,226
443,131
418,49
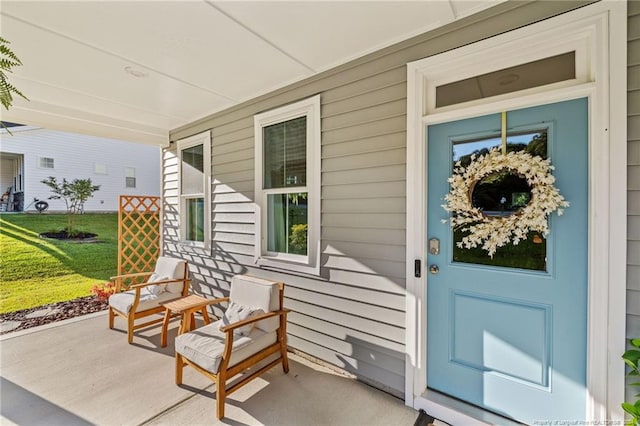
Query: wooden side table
x,y
185,306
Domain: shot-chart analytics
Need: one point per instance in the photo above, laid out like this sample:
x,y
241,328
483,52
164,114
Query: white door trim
x,y
598,34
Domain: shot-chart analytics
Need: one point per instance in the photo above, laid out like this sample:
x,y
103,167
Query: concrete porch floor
x,y
78,372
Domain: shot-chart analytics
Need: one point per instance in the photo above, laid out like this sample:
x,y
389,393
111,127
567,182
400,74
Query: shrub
x,y
103,291
631,358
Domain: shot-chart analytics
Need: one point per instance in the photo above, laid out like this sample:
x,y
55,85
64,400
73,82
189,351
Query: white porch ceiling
x,y
192,58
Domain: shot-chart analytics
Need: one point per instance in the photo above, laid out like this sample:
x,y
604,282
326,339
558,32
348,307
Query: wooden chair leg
x,y
221,394
192,322
205,315
112,316
282,336
179,368
165,327
285,358
186,322
130,319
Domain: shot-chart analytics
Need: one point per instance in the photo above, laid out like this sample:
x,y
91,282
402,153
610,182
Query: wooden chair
x,y
224,349
169,280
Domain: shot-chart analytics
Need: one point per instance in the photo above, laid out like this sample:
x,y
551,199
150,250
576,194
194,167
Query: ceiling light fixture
x,y
135,72
508,79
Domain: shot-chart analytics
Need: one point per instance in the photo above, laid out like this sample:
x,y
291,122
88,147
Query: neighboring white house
x,y
32,154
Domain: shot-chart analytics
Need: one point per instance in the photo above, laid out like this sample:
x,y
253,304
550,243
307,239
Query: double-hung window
x,y
194,159
46,163
287,189
129,177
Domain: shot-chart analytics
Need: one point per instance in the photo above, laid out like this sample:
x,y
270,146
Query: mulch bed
x,y
63,310
64,235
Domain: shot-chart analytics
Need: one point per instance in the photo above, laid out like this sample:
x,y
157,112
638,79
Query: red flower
x,y
103,291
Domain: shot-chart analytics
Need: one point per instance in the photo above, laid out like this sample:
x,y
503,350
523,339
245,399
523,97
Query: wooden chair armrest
x,y
137,274
260,317
218,300
141,285
138,287
119,279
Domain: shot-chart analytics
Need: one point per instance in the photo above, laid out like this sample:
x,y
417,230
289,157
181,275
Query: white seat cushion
x,y
123,301
205,345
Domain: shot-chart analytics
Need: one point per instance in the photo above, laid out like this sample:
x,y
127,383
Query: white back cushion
x,y
172,268
257,293
156,289
236,313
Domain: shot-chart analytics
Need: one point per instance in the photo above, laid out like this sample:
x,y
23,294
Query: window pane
x,y
533,74
100,168
192,179
502,194
46,163
285,154
287,223
195,219
130,182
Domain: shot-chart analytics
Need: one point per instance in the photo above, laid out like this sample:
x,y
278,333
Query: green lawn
x,y
36,271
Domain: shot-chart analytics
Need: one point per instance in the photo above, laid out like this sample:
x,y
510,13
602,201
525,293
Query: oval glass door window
x,y
502,193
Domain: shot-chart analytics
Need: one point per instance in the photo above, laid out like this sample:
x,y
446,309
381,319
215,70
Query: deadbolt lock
x,y
434,246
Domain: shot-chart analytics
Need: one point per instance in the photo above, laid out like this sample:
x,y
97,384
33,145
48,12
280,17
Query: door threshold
x,y
456,412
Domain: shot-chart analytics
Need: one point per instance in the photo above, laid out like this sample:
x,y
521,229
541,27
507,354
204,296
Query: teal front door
x,y
509,333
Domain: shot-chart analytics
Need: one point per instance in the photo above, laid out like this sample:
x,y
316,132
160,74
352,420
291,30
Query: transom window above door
x,y
512,79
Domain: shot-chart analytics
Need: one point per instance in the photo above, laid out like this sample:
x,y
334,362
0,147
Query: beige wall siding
x,y
352,315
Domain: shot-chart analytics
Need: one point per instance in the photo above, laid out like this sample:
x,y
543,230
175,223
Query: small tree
x,y
74,194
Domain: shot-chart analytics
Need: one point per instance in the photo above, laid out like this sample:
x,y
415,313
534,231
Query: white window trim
x,y
309,264
600,27
46,168
203,139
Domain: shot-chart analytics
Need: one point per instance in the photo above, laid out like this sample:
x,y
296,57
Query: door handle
x,y
434,269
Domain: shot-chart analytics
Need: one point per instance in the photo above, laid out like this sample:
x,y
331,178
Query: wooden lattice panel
x,y
138,233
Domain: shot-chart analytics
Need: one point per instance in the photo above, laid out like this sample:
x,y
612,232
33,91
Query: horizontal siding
x,y
381,174
362,87
372,114
352,315
365,130
633,277
366,160
365,146
358,191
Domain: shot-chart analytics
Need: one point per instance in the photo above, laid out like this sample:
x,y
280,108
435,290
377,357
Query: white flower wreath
x,y
493,232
